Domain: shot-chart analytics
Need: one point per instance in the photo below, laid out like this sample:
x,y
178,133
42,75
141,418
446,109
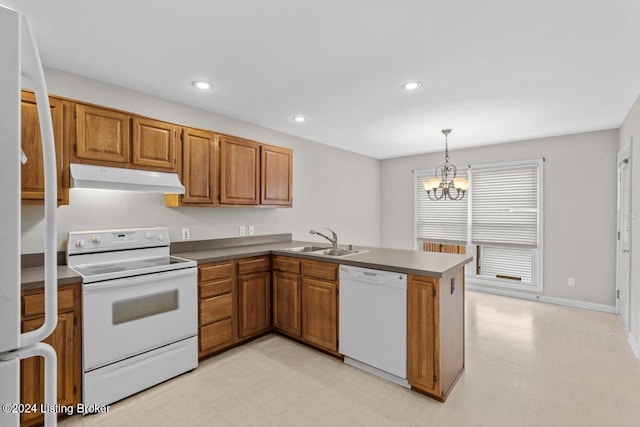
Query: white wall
x,y
331,187
579,200
631,129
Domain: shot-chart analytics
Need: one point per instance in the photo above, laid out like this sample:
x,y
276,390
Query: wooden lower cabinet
x,y
254,296
65,339
435,332
234,302
286,302
305,305
215,307
320,313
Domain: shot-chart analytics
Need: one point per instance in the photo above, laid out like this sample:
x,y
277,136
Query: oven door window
x,y
144,306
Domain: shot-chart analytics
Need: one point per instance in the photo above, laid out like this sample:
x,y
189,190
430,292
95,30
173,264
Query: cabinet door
x,y
198,160
276,167
422,345
320,313
154,144
239,178
286,302
254,292
102,135
63,340
33,170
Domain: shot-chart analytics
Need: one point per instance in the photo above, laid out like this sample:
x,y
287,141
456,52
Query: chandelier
x,y
445,185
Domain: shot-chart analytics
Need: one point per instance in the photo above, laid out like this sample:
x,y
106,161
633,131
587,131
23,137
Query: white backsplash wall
x,y
331,187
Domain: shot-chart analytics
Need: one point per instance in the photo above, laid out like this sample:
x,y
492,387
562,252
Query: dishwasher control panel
x,y
374,277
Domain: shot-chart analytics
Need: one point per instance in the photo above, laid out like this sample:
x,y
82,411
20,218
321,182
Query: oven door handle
x,y
136,280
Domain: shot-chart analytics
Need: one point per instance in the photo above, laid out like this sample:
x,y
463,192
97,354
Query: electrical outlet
x,y
571,281
251,230
242,230
186,234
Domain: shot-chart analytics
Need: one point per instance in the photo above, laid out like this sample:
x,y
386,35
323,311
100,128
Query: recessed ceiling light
x,y
411,85
202,85
298,119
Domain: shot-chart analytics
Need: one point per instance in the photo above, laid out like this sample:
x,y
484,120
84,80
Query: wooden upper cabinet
x,y
276,168
154,144
33,169
198,167
239,171
102,135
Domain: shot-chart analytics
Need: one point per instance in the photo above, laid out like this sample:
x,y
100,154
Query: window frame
x,y
537,285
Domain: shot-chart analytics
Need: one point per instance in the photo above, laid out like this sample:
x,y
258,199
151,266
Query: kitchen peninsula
x,y
303,297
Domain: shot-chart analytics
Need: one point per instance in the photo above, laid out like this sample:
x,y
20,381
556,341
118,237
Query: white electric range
x,y
139,311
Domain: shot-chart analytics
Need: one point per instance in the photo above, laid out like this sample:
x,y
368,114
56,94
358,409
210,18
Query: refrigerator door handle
x,y
50,377
32,71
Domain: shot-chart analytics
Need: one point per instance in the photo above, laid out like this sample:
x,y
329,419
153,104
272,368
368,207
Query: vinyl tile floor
x,y
527,364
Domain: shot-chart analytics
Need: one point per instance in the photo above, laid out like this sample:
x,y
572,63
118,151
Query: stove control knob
x,y
80,243
160,237
95,239
147,236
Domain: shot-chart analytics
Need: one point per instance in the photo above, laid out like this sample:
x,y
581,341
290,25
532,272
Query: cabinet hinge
x,y
434,293
75,321
618,235
618,293
182,135
435,380
75,390
75,148
75,114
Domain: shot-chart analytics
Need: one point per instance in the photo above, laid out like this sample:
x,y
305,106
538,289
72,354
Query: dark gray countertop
x,y
33,277
398,260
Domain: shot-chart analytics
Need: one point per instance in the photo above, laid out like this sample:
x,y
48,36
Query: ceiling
x,y
493,71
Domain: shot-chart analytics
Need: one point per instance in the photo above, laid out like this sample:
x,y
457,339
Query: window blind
x,y
504,207
509,262
442,221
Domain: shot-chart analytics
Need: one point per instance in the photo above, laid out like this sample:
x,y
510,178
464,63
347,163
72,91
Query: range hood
x,y
108,178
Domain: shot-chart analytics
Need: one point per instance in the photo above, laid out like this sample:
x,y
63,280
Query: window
x,y
500,220
438,220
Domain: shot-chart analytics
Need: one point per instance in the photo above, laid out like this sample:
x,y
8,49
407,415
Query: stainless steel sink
x,y
306,248
324,251
338,252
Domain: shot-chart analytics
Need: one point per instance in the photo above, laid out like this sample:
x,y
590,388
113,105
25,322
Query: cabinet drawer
x,y
215,334
291,265
216,308
320,270
253,265
212,289
220,270
33,304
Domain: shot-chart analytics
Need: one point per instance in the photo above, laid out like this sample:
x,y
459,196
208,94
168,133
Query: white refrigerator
x,y
20,67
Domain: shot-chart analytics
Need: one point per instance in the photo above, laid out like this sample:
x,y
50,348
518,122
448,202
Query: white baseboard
x,y
634,346
553,300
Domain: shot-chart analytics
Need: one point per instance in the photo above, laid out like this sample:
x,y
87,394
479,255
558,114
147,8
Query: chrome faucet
x,y
334,241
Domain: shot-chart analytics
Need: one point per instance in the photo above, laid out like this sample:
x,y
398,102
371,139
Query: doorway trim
x,y
623,226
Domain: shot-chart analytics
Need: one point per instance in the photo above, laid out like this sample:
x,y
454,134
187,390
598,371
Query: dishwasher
x,y
373,322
